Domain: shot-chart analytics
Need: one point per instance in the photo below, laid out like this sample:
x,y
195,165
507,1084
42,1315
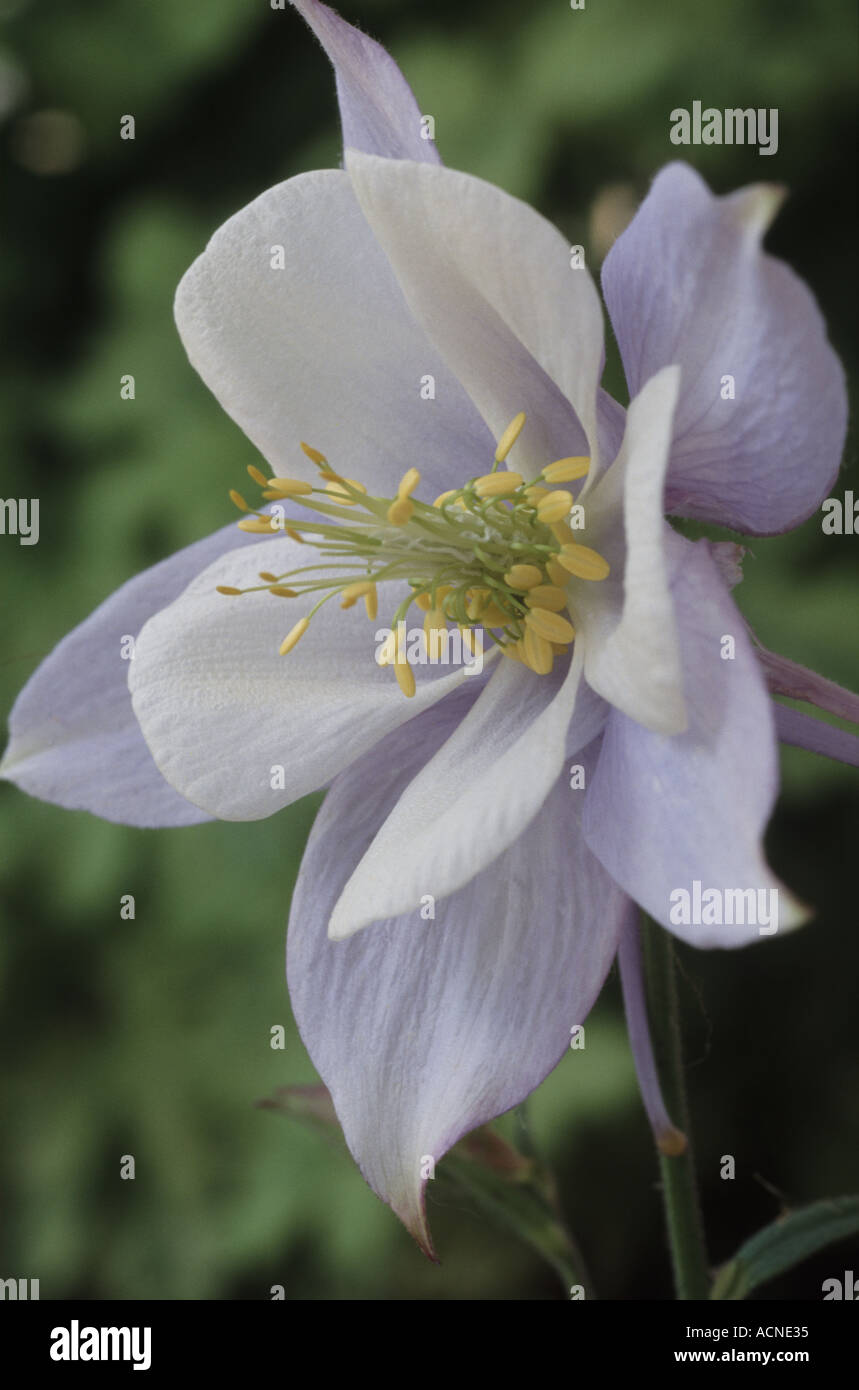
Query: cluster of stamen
x,y
496,554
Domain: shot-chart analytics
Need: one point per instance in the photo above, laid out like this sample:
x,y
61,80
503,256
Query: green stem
x,y
679,1186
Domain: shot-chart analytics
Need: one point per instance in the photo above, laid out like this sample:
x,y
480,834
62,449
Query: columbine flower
x,y
499,887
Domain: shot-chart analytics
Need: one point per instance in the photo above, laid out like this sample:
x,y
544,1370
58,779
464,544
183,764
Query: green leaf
x,y
789,1240
516,1193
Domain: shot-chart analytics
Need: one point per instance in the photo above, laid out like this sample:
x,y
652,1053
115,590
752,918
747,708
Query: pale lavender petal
x,y
491,283
785,677
74,739
424,1028
474,798
627,620
669,1139
294,320
803,731
378,111
611,421
241,730
664,812
688,283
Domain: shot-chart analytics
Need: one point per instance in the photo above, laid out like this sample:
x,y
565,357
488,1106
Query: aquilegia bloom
x,y
402,318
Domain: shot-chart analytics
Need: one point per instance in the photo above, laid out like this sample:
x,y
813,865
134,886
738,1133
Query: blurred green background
x,y
151,1037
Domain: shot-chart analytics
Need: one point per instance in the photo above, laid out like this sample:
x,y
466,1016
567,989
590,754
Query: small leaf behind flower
x,y
785,1243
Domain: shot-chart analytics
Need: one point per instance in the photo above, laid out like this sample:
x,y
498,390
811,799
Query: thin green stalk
x,y
679,1186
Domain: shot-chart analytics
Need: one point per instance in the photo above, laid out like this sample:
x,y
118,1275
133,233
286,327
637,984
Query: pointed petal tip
x,y
418,1229
13,763
341,926
378,110
409,1205
758,206
452,1034
793,912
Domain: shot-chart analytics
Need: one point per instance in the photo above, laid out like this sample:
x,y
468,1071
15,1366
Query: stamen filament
x,y
495,554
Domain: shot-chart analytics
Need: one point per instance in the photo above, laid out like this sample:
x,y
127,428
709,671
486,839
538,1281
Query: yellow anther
x,y
434,621
442,592
554,507
352,592
295,536
288,487
550,626
567,470
497,484
280,591
238,501
313,454
562,532
537,652
513,650
257,475
388,650
408,482
357,589
535,493
405,677
330,476
294,635
258,525
547,596
581,561
400,511
443,496
559,649
557,573
269,578
509,437
493,616
227,589
337,493
424,602
371,602
402,670
523,576
477,600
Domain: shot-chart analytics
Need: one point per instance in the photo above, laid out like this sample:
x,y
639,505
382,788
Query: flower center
x,y
497,553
